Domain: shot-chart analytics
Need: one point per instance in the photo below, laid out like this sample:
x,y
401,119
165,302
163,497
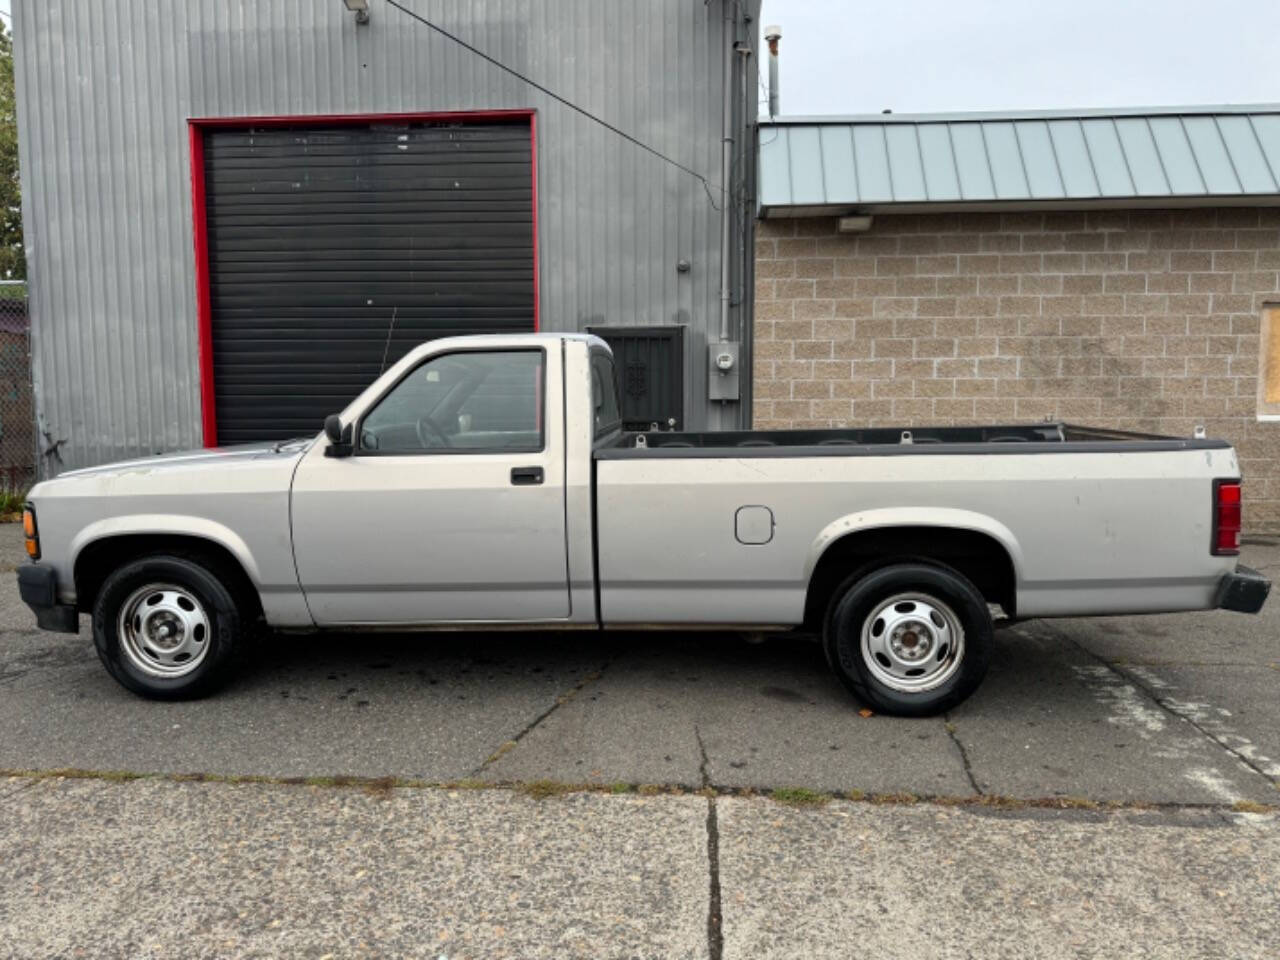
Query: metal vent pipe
x,y
771,36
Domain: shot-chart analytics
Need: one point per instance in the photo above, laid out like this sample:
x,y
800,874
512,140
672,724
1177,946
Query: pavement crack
x,y
559,702
1165,704
703,766
379,786
964,754
715,927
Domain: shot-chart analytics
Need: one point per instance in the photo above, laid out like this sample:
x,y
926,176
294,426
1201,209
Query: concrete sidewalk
x,y
902,883
157,869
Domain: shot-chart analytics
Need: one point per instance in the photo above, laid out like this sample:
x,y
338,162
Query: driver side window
x,y
470,402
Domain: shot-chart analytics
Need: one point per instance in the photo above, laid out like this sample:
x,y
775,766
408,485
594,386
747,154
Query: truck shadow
x,y
437,657
1030,670
783,669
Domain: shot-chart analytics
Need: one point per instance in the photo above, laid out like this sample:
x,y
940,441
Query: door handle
x,y
526,476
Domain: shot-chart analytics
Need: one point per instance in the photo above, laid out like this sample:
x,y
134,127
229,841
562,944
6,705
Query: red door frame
x,y
196,127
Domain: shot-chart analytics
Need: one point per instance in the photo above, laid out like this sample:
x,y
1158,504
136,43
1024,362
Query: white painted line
x,y
1129,707
1212,780
1211,719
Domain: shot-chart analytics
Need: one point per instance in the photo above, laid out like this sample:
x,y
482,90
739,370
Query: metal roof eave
x,y
1056,160
1084,113
782,212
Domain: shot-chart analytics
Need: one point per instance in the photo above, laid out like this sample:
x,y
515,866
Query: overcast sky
x,y
922,56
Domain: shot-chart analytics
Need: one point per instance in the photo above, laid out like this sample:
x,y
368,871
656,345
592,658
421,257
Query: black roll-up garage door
x,y
334,249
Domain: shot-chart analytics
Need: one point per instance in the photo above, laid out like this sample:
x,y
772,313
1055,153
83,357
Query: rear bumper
x,y
1244,591
38,587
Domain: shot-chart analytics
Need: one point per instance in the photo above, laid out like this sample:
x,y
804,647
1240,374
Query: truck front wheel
x,y
911,639
166,626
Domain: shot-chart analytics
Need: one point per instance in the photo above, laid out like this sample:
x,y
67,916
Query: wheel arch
x,y
979,547
102,547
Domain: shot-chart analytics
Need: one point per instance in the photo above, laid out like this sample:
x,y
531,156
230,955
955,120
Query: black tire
x,y
953,597
196,581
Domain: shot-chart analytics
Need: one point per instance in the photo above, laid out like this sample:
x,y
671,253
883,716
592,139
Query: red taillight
x,y
1226,518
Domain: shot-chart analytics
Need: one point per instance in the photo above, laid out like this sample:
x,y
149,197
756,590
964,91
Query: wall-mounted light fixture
x,y
854,224
360,8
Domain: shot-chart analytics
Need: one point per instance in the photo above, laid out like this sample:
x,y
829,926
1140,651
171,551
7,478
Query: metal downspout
x,y
726,166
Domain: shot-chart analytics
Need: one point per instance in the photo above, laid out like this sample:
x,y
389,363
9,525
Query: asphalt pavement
x,y
1109,791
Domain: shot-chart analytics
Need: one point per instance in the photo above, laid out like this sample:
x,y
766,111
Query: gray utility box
x,y
722,370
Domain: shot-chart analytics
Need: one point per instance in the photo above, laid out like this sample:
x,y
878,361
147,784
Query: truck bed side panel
x,y
1088,533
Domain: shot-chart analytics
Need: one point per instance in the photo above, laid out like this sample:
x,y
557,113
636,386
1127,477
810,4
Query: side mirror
x,y
339,437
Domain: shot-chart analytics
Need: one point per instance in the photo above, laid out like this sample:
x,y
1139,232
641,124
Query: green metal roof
x,y
884,162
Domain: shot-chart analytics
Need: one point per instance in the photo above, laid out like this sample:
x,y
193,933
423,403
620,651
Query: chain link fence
x,y
17,413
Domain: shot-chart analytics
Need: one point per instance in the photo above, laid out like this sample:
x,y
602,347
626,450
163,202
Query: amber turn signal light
x,y
29,529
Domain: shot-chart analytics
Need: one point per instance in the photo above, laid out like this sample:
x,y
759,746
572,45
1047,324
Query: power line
x,y
706,184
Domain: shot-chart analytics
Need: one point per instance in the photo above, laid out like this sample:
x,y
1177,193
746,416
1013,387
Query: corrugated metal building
x,y
234,211
1118,268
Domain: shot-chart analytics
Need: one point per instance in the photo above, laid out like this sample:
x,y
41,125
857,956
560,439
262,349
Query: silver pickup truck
x,y
486,482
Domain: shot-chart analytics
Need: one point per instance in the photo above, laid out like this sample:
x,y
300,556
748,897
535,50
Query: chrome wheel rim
x,y
912,642
164,630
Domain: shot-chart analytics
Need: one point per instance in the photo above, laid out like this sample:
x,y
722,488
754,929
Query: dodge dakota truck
x,y
485,482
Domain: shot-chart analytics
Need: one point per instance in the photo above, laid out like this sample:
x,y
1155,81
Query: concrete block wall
x,y
1138,320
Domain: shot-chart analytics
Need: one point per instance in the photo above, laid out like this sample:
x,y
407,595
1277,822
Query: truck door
x,y
451,506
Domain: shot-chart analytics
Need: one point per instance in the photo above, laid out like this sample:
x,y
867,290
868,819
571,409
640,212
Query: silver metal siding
x,y
105,90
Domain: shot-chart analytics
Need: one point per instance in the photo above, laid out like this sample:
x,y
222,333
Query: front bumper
x,y
38,587
1245,591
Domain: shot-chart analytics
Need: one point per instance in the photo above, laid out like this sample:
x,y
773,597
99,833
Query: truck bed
x,y
730,525
1005,438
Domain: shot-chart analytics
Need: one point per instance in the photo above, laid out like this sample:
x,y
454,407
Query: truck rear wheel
x,y
167,626
911,639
